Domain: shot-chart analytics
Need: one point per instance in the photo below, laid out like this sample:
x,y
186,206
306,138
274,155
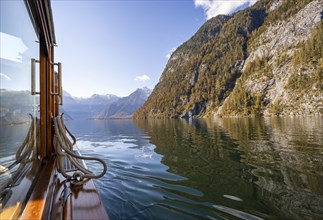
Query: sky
x,y
117,46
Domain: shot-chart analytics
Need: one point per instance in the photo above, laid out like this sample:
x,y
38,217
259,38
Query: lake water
x,y
205,169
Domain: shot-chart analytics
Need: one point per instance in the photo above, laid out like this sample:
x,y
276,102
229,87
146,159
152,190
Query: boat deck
x,y
55,198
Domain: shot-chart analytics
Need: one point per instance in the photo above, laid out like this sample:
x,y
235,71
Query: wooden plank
x,y
16,202
50,102
43,101
39,203
47,199
84,201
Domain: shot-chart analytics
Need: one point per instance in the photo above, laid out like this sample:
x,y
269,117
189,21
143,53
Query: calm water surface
x,y
206,169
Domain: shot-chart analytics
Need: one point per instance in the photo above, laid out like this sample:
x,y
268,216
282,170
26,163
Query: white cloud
x,y
213,8
12,48
142,78
170,52
5,76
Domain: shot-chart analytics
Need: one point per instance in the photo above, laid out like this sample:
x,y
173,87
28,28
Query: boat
x,y
42,174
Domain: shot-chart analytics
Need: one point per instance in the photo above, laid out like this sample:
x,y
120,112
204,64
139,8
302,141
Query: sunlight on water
x,y
204,169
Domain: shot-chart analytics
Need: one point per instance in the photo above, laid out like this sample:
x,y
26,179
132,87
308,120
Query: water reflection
x,y
273,165
205,169
16,160
287,155
202,152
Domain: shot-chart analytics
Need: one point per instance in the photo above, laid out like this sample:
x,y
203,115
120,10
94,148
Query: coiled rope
x,y
64,149
26,153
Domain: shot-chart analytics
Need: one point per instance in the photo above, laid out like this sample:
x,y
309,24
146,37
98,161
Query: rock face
x,y
286,34
288,79
266,59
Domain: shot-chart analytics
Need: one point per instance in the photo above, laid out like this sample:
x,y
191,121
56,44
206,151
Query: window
x,y
19,109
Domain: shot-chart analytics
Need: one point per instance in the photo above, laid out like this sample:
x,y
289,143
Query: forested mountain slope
x,y
266,59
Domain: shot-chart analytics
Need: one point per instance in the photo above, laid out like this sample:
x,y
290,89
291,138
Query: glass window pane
x,y
19,136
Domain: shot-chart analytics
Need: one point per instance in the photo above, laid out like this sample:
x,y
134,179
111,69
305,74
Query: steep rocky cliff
x,y
283,72
266,59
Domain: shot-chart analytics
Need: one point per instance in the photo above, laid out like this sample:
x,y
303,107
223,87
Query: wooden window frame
x,y
41,18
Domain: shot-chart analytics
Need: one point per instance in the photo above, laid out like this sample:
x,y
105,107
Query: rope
x,y
26,153
64,148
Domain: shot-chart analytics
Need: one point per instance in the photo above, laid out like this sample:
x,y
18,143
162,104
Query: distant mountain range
x,y
15,106
126,106
80,108
103,106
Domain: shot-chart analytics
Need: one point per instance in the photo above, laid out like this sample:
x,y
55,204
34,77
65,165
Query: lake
x,y
244,168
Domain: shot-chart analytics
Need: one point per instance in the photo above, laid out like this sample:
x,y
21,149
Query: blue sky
x,y
114,47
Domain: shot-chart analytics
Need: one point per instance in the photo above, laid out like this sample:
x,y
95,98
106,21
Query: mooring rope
x,y
64,149
26,153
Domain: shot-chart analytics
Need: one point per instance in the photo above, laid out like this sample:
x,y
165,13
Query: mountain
x,y
264,60
126,106
15,106
85,108
103,106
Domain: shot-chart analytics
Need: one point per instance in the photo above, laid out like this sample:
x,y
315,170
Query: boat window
x,y
19,109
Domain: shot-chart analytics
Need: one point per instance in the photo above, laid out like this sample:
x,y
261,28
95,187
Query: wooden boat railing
x,y
63,191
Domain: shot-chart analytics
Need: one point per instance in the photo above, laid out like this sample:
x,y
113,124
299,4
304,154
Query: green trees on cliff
x,y
205,73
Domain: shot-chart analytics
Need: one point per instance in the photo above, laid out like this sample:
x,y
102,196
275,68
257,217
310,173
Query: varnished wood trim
x,y
40,201
83,203
20,192
41,17
49,106
43,100
45,203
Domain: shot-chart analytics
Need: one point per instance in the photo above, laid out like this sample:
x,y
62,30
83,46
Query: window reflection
x,y
19,116
13,48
